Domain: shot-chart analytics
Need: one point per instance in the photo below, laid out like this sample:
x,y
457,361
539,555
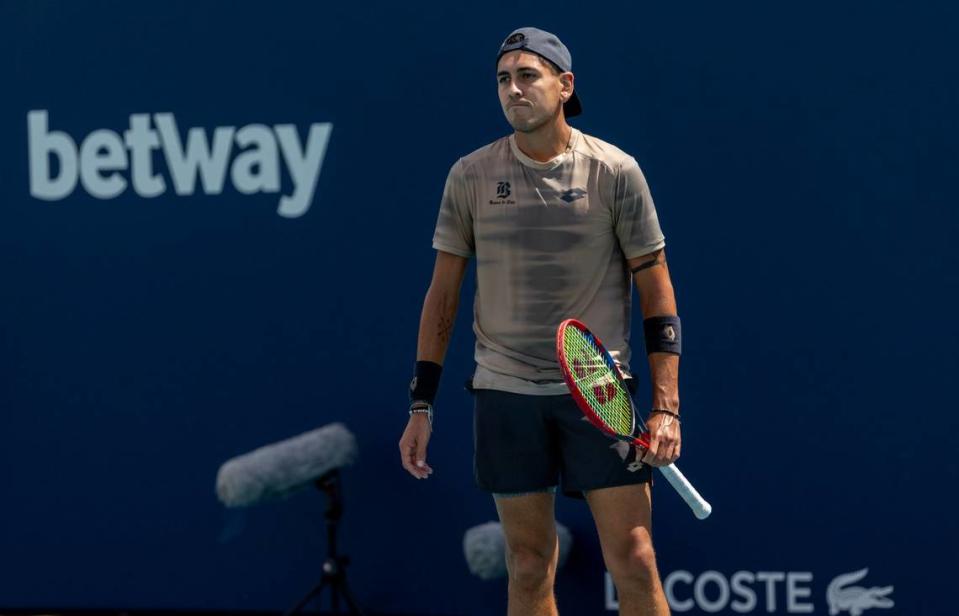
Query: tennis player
x,y
559,223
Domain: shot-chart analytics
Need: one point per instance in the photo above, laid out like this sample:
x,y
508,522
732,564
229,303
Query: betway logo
x,y
103,157
770,592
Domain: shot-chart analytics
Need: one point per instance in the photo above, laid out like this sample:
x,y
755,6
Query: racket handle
x,y
701,509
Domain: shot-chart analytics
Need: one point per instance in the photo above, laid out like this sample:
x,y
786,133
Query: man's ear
x,y
567,80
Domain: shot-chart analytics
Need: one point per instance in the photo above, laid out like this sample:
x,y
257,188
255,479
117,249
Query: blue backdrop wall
x,y
156,321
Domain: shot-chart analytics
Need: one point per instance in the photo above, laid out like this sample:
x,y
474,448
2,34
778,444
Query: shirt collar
x,y
551,163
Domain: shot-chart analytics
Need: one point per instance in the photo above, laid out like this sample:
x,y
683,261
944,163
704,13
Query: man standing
x,y
559,223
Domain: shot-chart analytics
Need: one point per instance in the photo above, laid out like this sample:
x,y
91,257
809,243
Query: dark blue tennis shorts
x,y
535,443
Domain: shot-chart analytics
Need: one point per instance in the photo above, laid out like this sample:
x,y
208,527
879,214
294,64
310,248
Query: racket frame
x,y
592,416
700,507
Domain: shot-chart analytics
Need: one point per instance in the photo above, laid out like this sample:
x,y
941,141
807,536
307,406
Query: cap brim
x,y
572,107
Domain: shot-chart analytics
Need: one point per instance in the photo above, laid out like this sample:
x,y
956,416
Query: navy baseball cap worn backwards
x,y
547,46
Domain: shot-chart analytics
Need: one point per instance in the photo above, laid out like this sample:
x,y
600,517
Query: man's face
x,y
530,92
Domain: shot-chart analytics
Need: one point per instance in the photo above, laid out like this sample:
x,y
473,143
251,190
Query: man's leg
x,y
624,522
532,551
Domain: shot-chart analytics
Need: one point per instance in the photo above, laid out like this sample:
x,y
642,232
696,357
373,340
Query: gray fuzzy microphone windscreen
x,y
485,549
280,468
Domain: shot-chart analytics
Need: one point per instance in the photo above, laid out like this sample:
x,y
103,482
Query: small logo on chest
x,y
572,194
503,191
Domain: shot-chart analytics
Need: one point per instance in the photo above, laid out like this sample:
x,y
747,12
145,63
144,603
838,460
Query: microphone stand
x,y
334,567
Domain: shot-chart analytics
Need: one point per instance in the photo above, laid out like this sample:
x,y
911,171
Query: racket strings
x,y
597,382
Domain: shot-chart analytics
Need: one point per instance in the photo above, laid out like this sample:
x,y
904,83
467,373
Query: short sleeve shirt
x,y
551,241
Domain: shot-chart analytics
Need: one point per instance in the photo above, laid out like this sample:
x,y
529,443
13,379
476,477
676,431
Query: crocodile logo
x,y
856,599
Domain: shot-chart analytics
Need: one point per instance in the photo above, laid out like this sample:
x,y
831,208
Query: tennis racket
x,y
599,390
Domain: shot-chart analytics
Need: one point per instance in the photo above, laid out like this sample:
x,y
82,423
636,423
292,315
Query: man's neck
x,y
547,142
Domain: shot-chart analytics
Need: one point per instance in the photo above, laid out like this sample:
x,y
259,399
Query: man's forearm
x,y
436,324
663,367
664,374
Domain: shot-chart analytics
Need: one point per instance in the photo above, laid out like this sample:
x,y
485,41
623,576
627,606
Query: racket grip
x,y
701,509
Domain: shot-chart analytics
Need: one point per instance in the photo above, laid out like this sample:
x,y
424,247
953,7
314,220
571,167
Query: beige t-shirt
x,y
551,242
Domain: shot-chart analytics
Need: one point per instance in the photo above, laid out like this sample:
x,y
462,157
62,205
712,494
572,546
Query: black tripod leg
x,y
355,609
316,590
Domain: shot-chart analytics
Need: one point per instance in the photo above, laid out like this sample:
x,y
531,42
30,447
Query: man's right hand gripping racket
x,y
599,390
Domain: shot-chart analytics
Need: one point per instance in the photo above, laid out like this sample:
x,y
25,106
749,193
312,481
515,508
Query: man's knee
x,y
634,563
531,568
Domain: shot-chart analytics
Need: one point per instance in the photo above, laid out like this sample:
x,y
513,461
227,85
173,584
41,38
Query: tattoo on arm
x,y
651,263
445,329
445,325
